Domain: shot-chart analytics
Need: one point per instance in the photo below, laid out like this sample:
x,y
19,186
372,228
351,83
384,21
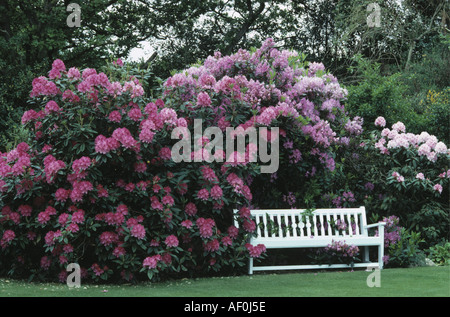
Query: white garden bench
x,y
296,228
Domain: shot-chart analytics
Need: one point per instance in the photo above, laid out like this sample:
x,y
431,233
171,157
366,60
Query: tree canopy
x,y
34,33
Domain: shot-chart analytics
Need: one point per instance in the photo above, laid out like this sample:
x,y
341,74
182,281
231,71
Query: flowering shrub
x,y
416,176
337,252
391,230
394,171
96,185
406,251
266,87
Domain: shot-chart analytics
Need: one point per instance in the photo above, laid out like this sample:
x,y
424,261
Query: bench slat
x,y
288,220
261,227
266,230
355,215
301,226
308,227
280,233
329,229
350,227
322,227
294,226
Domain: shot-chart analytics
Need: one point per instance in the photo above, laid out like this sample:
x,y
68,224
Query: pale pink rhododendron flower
x,y
380,122
438,188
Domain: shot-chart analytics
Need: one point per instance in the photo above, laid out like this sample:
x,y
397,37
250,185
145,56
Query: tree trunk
x,y
245,26
410,53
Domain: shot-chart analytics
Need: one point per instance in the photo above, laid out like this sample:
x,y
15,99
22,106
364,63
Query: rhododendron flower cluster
x,y
421,147
205,227
425,144
391,230
340,248
255,251
8,236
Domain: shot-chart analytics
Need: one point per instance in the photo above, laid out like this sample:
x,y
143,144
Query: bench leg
x,y
381,247
366,254
250,266
380,256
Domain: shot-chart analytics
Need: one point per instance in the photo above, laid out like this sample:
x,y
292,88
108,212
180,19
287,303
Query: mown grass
x,y
404,282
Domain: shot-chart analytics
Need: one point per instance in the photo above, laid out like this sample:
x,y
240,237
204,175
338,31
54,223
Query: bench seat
x,y
314,242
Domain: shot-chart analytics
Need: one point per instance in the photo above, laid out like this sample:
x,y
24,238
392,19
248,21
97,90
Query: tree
x,y
34,33
407,28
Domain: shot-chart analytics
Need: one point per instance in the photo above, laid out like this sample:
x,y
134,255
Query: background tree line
x,y
400,70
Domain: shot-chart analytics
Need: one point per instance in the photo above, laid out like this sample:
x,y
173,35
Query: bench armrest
x,y
378,224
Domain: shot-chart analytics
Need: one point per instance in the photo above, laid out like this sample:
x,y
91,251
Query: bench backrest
x,y
301,223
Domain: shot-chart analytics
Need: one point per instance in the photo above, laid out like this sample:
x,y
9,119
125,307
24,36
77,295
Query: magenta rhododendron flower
x,y
151,262
108,238
119,251
78,217
203,194
58,65
118,62
171,241
190,209
233,232
81,164
51,106
216,192
45,262
138,231
135,114
73,73
187,224
52,166
255,251
7,237
211,246
115,116
25,210
205,227
42,86
203,99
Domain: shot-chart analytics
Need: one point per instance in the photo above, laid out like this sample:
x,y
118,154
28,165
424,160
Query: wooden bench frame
x,y
297,231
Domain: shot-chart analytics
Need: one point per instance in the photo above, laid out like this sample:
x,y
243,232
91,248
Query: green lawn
x,y
408,282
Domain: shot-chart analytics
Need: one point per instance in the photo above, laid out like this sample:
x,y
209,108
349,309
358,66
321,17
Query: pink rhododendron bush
x,y
97,184
394,172
267,87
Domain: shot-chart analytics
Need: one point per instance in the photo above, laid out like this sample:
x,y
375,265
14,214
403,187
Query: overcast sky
x,y
137,54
